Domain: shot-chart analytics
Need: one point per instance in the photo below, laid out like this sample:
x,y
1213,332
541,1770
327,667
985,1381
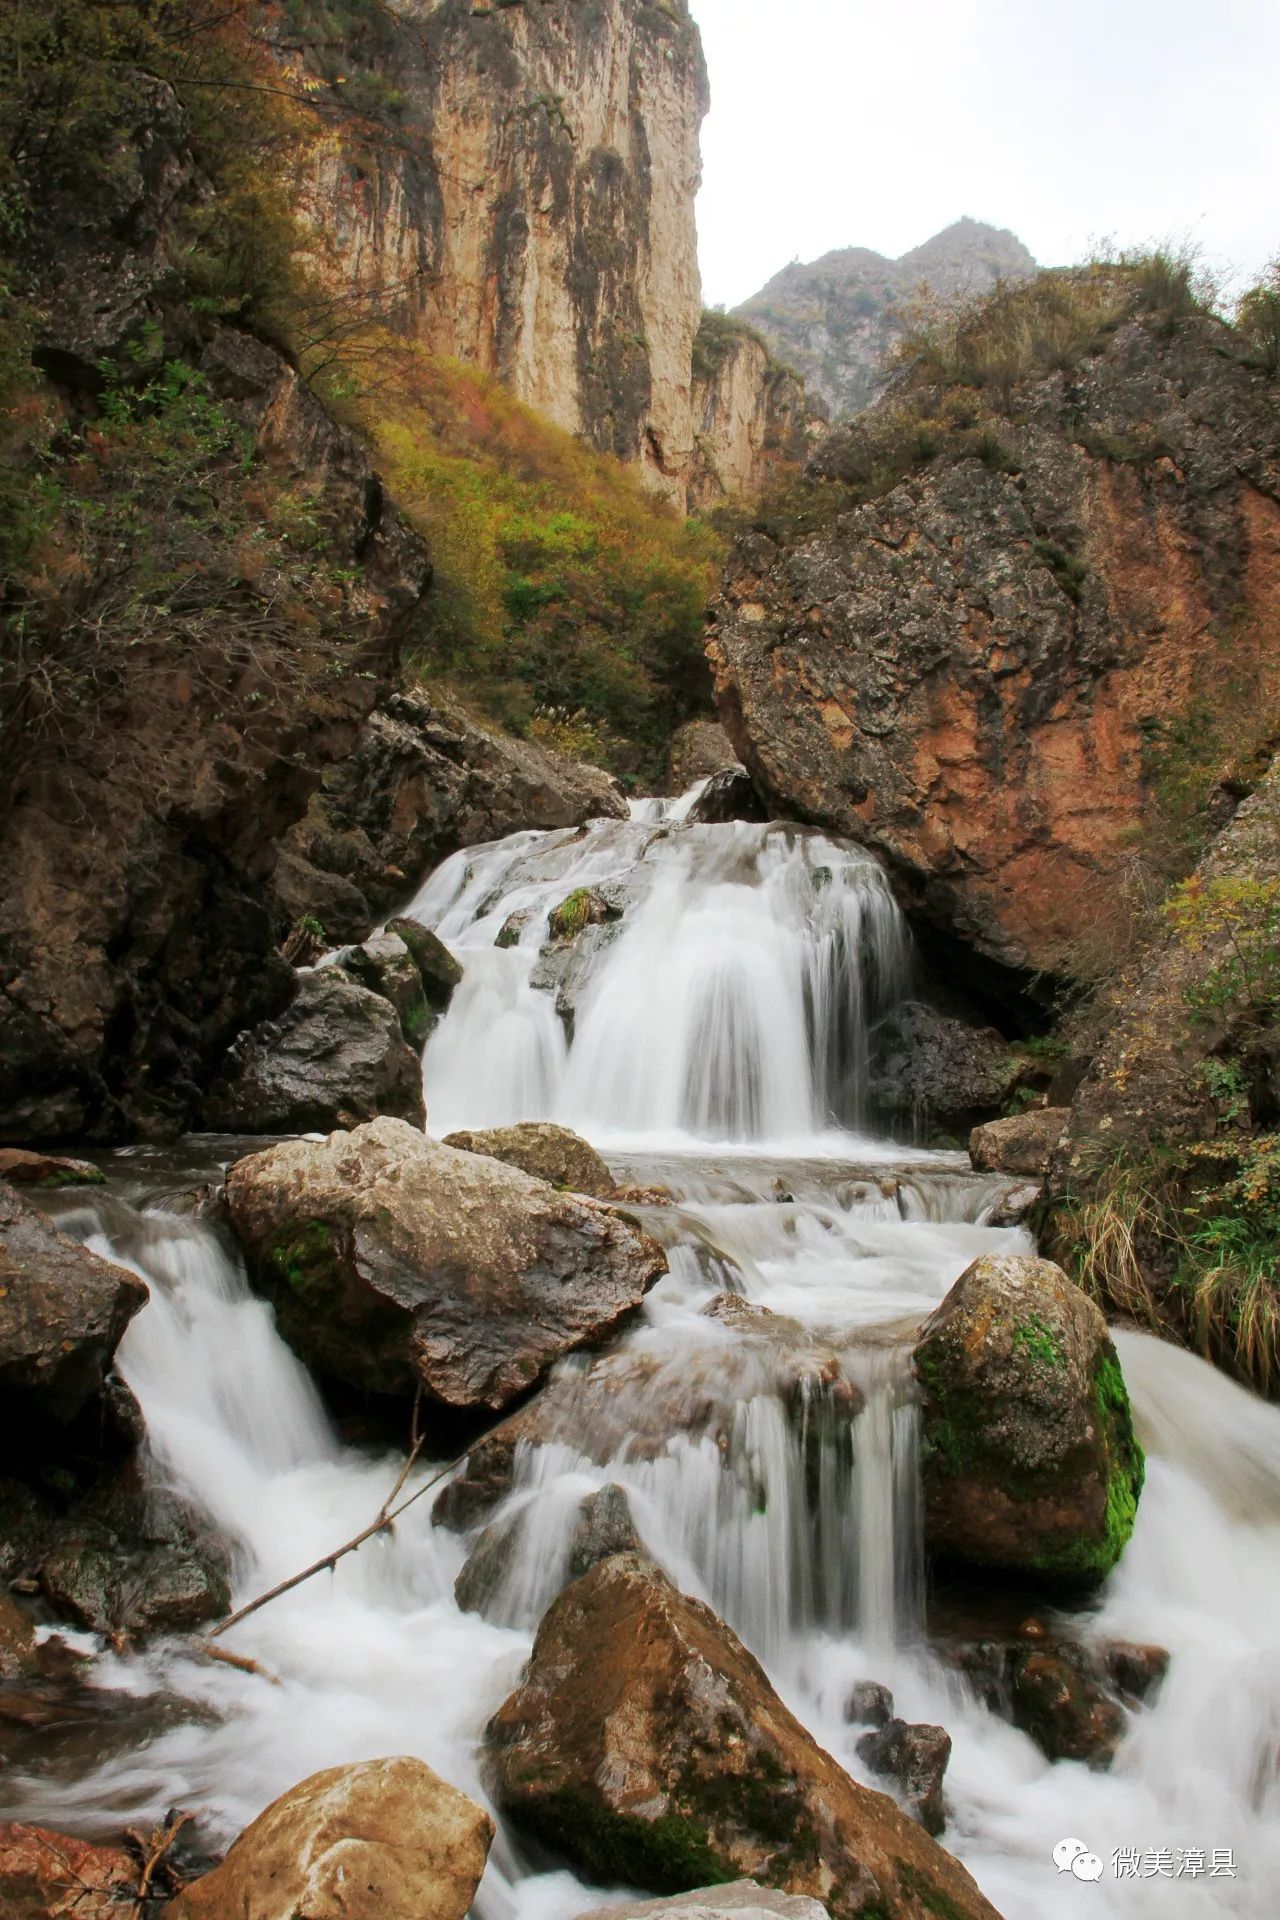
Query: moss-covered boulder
x,y
439,971
551,1153
1029,1456
647,1745
395,1262
584,907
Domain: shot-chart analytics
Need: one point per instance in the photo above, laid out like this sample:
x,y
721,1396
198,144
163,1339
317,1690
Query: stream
x,y
710,1035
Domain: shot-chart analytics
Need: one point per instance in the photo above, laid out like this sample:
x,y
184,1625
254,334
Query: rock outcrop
x,y
750,418
1030,1464
394,1262
422,780
972,657
837,320
381,1840
931,1071
646,1743
335,1057
741,1900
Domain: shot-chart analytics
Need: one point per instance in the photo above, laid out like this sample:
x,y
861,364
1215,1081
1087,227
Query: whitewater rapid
x,y
779,1194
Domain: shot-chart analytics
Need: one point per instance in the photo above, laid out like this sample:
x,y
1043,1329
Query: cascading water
x,y
767,953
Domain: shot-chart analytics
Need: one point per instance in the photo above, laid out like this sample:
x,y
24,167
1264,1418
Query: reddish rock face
x,y
968,673
49,1876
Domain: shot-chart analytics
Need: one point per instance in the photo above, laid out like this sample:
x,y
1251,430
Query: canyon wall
x,y
517,188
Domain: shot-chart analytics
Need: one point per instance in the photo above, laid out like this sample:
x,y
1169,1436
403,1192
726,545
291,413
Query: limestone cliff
x,y
520,192
999,607
750,417
838,319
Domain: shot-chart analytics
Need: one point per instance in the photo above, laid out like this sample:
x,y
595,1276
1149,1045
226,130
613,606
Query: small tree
x,y
1258,318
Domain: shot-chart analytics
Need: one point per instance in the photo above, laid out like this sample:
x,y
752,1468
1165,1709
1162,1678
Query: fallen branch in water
x,y
385,1522
152,1854
240,1661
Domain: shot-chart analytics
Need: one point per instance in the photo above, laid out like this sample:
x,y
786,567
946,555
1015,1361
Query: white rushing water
x,y
768,952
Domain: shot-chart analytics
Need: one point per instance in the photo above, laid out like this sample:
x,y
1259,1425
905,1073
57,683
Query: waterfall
x,y
731,1000
712,1037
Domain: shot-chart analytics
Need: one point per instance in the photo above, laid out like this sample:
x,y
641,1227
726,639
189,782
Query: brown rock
x,y
394,1261
17,1641
382,1840
62,1314
554,1154
1021,1143
50,1876
699,749
25,1169
647,1744
740,1900
1030,1462
915,1757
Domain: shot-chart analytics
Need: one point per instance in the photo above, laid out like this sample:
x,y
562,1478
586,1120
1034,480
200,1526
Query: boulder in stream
x,y
27,1169
914,1756
647,1744
933,1072
381,1840
62,1314
396,1262
1030,1461
740,1900
335,1057
554,1154
384,964
1072,1697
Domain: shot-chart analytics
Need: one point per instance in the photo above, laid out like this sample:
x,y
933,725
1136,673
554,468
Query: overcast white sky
x,y
844,123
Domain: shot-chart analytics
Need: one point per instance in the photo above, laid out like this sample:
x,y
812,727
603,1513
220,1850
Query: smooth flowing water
x,y
711,1037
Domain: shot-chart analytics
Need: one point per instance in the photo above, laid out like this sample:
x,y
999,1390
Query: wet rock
x,y
1030,1463
62,1314
1136,1670
914,1757
50,1876
381,1840
483,1586
935,1072
868,1705
648,1400
384,964
646,1744
438,969
741,1900
728,795
1022,1143
335,1057
584,907
27,1169
1015,1205
508,934
394,1262
17,1641
133,1559
554,1154
699,749
1059,1692
606,1527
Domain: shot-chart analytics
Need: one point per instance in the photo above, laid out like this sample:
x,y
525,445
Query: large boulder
x,y
1029,1457
384,964
381,1840
335,1057
931,1071
395,1262
973,666
647,1744
50,1876
555,1154
62,1314
1020,1143
26,1169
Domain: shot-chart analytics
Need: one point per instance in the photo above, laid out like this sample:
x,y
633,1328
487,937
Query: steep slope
x,y
838,319
1010,605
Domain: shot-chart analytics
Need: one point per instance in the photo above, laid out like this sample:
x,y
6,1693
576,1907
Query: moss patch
x,y
668,1855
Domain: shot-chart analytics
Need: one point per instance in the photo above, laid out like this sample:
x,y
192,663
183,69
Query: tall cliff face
x,y
838,319
986,670
521,193
750,416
